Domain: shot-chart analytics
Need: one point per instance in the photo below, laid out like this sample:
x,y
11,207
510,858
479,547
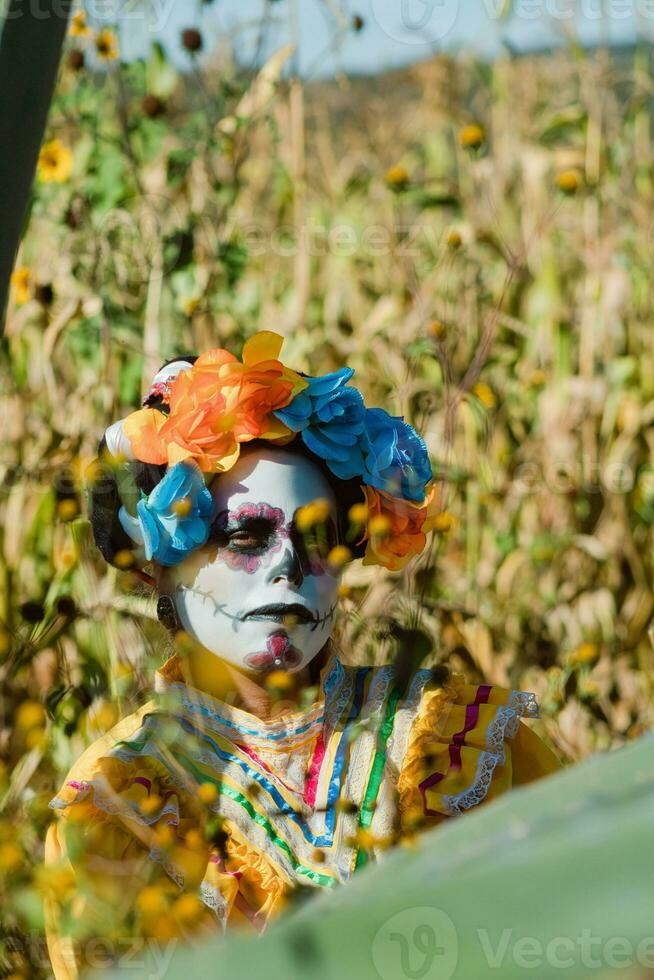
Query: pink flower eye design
x,y
249,536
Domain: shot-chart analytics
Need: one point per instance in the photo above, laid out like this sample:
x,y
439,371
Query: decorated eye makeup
x,y
249,536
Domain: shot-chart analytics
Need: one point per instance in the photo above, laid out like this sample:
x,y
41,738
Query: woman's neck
x,y
216,677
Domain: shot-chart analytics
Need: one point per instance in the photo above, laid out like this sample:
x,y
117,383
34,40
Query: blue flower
x,y
330,415
166,535
395,456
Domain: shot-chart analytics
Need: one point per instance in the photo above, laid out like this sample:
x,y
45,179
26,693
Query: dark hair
x,y
105,501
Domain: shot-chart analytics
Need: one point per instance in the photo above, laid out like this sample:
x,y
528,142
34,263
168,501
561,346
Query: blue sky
x,y
395,32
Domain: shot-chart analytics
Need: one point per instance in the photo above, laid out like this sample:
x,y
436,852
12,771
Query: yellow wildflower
x,y
585,654
397,177
106,45
279,680
207,793
151,900
472,137
182,507
358,513
187,909
78,25
11,856
150,805
55,163
124,559
30,715
569,181
379,526
485,394
313,513
5,642
444,523
68,509
21,279
339,556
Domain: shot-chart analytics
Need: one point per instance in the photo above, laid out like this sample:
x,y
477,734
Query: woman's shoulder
x,y
469,743
94,771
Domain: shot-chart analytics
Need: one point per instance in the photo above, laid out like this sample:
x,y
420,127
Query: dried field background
x,y
475,240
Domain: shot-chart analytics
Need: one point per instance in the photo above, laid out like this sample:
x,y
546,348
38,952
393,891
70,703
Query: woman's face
x,y
261,595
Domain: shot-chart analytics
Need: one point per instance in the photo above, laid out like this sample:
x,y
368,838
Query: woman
x,y
263,764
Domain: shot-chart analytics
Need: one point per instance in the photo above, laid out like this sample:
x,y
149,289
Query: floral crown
x,y
207,409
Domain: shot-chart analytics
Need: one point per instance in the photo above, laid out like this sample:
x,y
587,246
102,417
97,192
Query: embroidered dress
x,y
305,799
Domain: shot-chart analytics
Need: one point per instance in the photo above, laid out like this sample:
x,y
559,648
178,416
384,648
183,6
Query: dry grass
x,y
496,294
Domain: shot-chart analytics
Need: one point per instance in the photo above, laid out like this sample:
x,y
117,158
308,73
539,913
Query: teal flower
x,y
395,457
330,415
175,518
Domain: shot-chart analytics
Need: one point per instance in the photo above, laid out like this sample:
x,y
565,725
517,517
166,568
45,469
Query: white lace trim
x,y
214,900
505,724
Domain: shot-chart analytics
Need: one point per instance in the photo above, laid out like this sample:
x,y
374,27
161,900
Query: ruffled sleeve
x,y
467,745
120,827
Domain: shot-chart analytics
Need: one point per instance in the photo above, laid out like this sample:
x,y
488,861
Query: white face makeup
x,y
258,595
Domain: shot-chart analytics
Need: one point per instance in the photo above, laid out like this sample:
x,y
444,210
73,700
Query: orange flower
x,y
217,405
409,526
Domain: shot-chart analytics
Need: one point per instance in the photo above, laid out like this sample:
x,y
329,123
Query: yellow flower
x,y
444,523
150,805
35,738
397,177
5,642
187,909
182,507
55,162
344,591
207,793
164,836
279,680
311,514
78,25
471,137
569,181
379,526
106,45
105,716
585,654
11,856
58,881
30,715
21,279
124,559
485,394
151,900
358,513
67,509
436,329
339,556
190,305
454,239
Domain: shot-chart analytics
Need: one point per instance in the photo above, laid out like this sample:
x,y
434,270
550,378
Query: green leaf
x,y
533,877
161,76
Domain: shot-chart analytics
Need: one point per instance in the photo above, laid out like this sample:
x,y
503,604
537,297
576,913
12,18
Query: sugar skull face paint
x,y
261,593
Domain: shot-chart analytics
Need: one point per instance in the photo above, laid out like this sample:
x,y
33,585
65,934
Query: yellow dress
x,y
189,796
